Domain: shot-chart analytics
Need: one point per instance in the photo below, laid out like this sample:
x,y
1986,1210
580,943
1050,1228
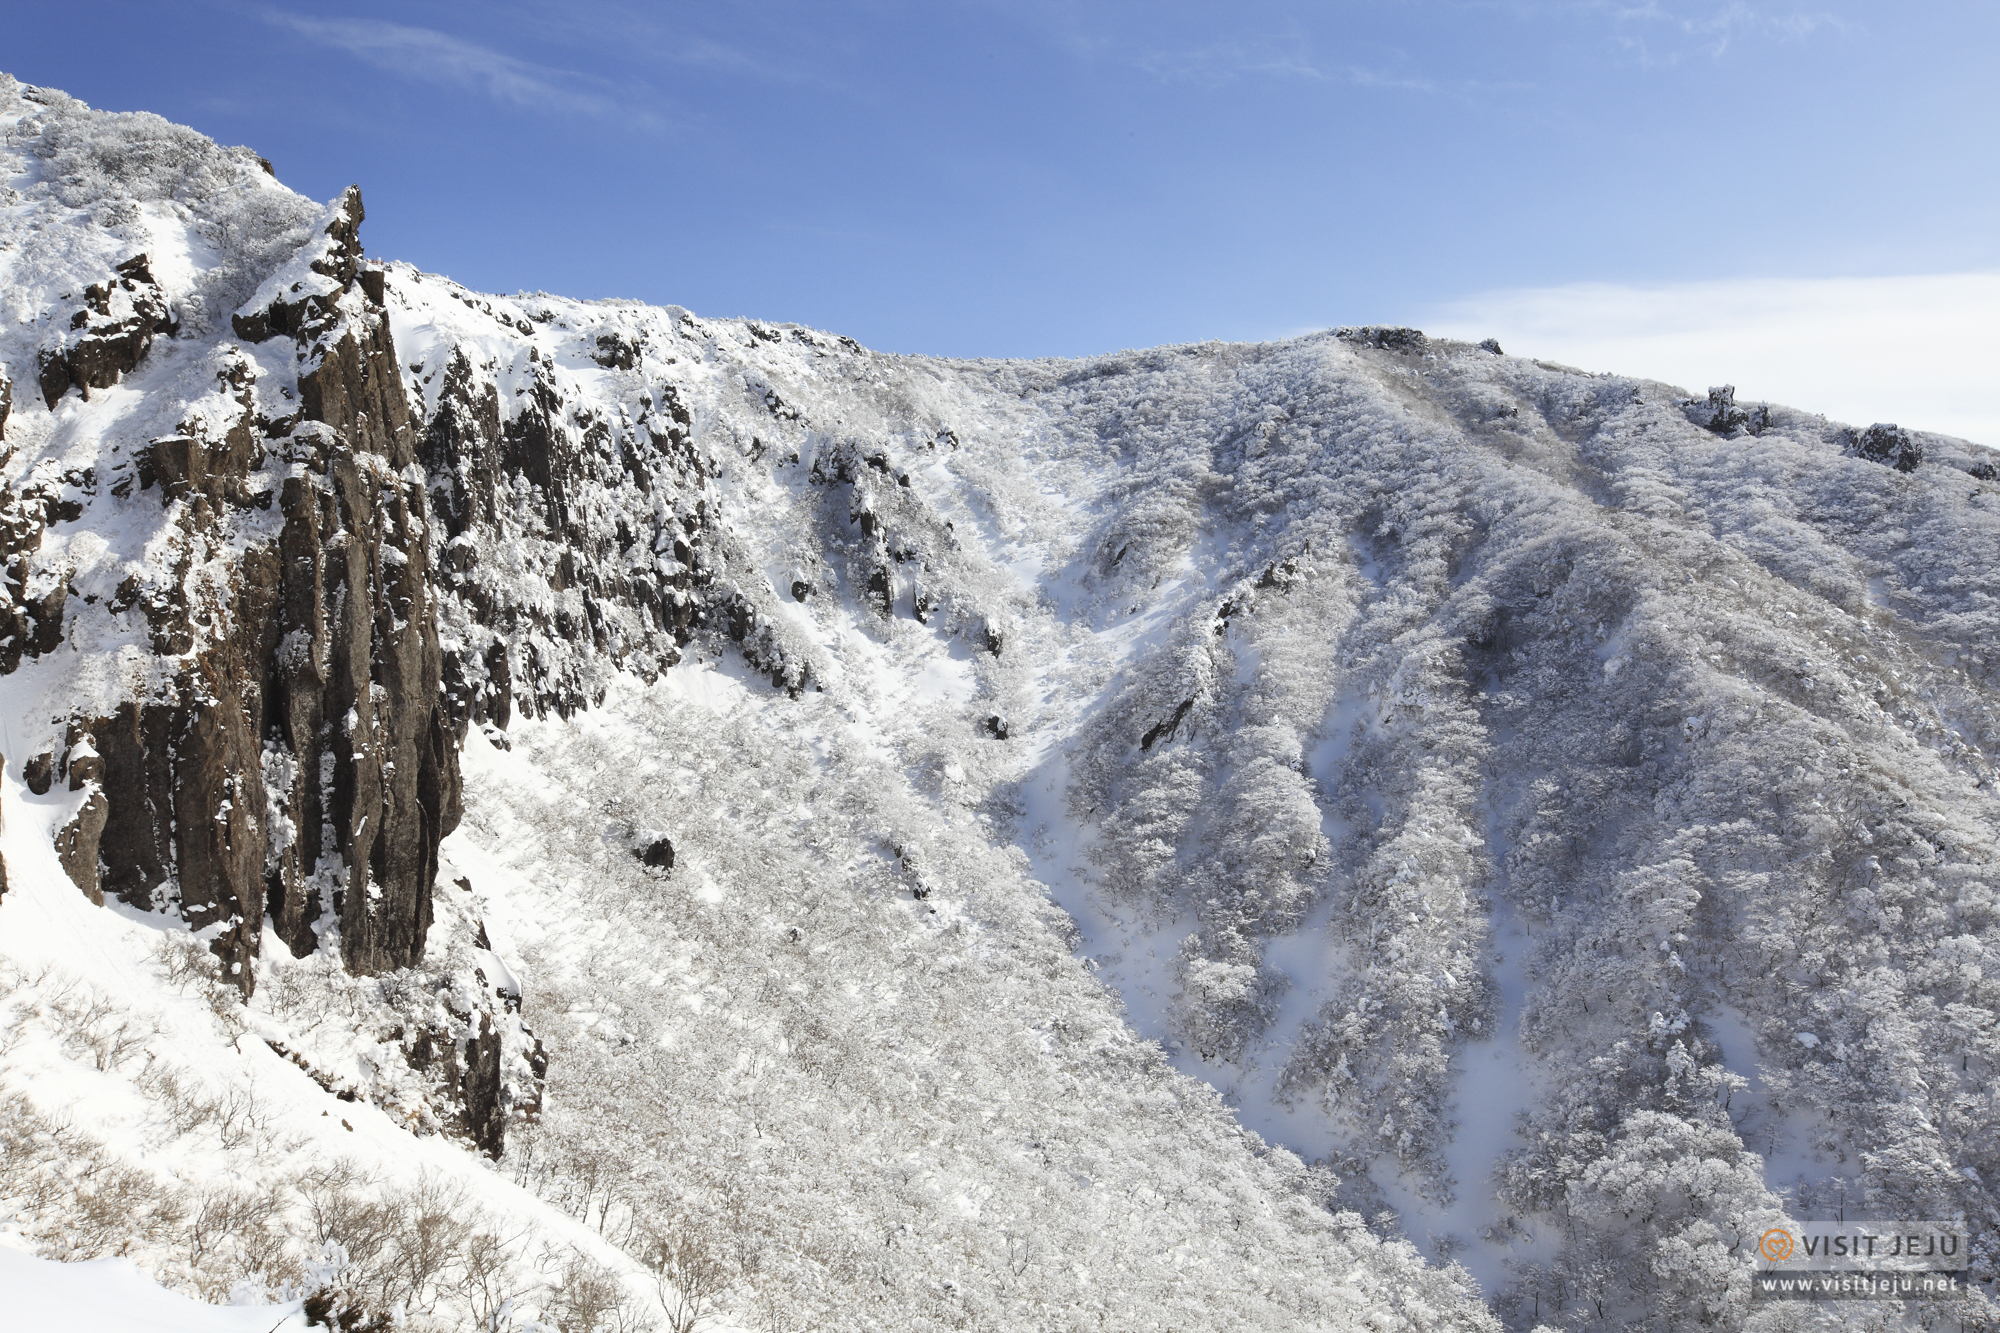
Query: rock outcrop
x,y
486,1064
297,758
611,554
1890,445
108,333
1720,414
1386,337
224,590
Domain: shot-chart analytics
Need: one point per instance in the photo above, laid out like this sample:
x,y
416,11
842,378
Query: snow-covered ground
x,y
1203,837
113,1296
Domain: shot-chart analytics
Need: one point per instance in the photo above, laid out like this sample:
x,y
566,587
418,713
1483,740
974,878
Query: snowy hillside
x,y
523,810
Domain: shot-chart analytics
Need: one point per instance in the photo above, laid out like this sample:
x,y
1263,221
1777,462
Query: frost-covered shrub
x,y
71,1197
113,163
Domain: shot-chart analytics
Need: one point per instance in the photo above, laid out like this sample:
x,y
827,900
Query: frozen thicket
x,y
1307,835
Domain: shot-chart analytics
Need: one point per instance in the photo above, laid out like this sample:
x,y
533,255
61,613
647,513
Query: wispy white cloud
x,y
766,43
1919,351
1221,62
431,56
1293,58
1666,31
1670,32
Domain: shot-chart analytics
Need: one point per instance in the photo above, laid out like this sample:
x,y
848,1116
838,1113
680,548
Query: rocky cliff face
x,y
244,684
294,757
579,535
345,569
262,612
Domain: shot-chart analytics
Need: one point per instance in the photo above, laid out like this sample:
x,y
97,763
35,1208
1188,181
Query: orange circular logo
x,y
1775,1245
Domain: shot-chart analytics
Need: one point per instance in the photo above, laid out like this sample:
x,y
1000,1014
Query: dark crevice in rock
x,y
1166,728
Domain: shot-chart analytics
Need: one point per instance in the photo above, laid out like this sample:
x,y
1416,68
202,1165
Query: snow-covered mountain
x,y
524,810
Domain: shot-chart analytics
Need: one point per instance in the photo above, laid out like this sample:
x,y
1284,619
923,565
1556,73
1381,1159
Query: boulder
x,y
1890,445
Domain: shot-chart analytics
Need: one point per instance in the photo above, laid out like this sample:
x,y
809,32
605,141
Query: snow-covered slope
x,y
1200,837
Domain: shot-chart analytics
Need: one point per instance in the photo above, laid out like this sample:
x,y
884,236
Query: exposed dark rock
x,y
137,848
1279,574
1385,337
296,760
218,469
82,765
357,391
108,334
659,853
1890,445
338,1308
459,448
881,591
31,605
479,1090
40,772
1720,414
320,715
1167,728
313,314
634,612
45,620
1491,345
479,689
76,845
1983,471
616,352
485,1112
77,839
6,402
802,590
778,408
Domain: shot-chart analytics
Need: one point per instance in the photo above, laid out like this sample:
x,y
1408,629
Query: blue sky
x,y
1028,178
